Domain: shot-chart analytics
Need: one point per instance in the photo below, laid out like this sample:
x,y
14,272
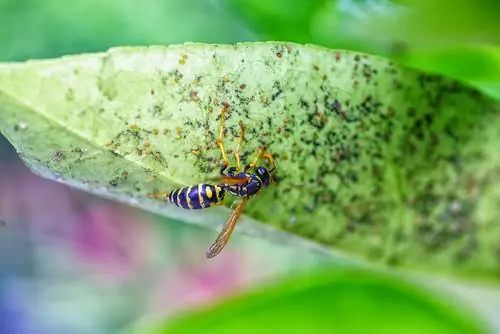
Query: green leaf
x,y
478,65
42,29
290,20
422,25
411,32
377,160
345,301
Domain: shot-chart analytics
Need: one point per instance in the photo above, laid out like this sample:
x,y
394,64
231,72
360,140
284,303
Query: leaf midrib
x,y
77,134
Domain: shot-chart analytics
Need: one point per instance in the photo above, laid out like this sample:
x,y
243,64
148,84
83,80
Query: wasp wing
x,y
228,228
224,179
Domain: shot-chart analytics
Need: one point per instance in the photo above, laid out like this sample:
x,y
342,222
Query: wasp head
x,y
263,175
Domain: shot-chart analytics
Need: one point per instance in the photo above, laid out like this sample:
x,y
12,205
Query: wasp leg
x,y
225,163
232,170
223,169
269,158
257,157
237,150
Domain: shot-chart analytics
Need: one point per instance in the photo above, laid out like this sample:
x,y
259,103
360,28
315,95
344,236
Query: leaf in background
x,y
337,302
408,31
338,24
477,65
41,29
282,19
375,159
440,24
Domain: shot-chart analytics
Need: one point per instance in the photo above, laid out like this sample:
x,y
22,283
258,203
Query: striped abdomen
x,y
199,196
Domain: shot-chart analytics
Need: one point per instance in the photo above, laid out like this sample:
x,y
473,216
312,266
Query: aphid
x,y
242,184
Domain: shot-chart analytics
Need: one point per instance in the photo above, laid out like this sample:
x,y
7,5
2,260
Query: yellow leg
x,y
221,134
269,158
237,150
257,156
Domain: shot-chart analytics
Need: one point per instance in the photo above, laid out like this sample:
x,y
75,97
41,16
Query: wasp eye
x,y
263,174
261,171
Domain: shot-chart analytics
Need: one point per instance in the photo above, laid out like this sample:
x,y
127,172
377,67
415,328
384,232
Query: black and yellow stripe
x,y
196,197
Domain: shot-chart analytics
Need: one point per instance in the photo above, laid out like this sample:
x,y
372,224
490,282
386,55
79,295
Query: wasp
x,y
243,184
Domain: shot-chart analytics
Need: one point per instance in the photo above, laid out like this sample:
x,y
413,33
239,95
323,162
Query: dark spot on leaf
x,y
58,156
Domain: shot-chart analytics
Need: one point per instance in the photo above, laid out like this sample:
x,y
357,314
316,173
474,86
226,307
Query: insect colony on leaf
x,y
243,184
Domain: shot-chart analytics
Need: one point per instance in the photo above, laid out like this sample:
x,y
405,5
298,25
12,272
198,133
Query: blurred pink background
x,y
75,263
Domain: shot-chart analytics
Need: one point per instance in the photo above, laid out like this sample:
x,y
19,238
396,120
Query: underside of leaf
x,y
374,159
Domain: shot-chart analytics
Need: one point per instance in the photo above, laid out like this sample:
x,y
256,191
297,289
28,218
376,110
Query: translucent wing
x,y
233,180
229,180
228,228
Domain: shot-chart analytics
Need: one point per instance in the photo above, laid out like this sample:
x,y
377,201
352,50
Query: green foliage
x,y
417,30
343,301
440,24
41,29
435,204
284,20
374,159
411,32
477,65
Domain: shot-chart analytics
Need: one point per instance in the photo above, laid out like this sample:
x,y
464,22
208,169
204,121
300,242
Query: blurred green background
x,y
85,265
